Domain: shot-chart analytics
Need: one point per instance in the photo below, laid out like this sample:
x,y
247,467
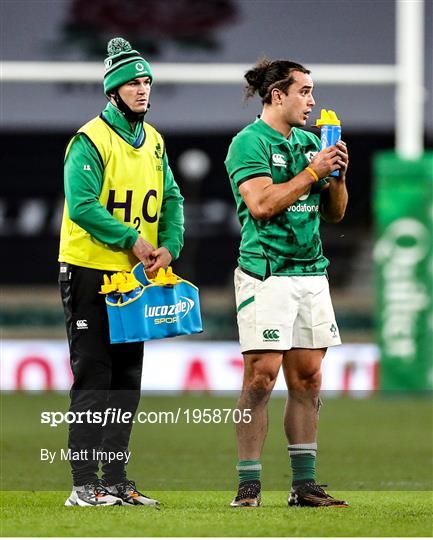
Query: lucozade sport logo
x,y
183,307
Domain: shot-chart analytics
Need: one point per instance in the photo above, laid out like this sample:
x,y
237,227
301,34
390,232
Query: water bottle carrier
x,y
157,311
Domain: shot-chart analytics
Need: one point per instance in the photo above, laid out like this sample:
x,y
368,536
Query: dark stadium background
x,y
212,234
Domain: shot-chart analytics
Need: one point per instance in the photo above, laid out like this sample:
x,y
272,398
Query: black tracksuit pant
x,y
105,375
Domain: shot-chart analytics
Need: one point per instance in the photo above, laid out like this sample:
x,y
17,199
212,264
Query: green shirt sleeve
x,y
247,158
170,230
83,176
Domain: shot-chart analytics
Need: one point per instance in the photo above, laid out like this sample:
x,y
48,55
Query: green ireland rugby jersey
x,y
288,244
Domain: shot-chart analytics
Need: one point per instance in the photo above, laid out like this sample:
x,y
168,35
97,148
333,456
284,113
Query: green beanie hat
x,y
123,64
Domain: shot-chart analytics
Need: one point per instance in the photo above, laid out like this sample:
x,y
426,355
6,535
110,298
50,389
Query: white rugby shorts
x,y
284,312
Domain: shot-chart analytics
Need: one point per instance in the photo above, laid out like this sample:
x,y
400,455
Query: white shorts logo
x,y
82,324
271,334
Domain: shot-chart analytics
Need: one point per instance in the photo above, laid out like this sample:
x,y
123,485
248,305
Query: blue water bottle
x,y
129,287
330,131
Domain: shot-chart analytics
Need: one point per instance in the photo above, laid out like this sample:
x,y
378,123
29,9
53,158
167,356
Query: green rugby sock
x,y
249,470
303,461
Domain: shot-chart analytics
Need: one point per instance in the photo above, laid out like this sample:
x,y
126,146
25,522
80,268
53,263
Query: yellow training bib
x,y
132,191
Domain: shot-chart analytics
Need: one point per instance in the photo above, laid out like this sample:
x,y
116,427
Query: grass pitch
x,y
196,513
376,453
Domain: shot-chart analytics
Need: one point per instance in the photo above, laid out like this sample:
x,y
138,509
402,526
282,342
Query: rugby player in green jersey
x,y
279,178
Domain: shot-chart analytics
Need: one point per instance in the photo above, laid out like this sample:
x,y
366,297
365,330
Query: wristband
x,y
313,173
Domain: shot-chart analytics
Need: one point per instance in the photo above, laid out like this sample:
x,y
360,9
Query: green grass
x,y
206,514
375,452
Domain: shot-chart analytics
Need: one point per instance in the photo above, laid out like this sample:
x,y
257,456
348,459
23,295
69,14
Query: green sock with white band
x,y
249,470
303,461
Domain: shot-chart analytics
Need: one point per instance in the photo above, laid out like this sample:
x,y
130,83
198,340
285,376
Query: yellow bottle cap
x,y
129,284
327,118
160,277
165,277
107,287
171,279
114,279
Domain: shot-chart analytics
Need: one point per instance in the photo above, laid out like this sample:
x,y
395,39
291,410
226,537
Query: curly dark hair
x,y
269,74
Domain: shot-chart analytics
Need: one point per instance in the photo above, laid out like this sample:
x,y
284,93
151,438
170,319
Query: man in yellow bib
x,y
122,205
